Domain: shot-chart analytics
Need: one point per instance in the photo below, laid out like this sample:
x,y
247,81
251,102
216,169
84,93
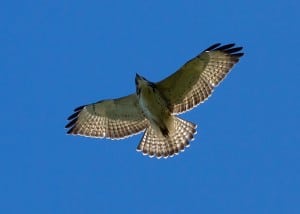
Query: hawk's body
x,y
154,105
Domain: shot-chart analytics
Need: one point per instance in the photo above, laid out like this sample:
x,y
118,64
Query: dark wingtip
x,y
70,131
228,48
79,108
73,119
233,50
73,115
225,47
212,47
238,54
71,123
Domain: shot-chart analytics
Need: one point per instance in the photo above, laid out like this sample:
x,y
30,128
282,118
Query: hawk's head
x,y
141,83
139,80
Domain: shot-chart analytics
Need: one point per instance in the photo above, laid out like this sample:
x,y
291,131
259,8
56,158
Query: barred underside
x,y
195,81
114,119
199,93
90,125
189,86
155,145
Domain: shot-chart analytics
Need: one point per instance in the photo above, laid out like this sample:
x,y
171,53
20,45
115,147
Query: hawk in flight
x,y
154,106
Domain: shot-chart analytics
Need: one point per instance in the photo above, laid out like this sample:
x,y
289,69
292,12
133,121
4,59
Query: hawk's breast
x,y
154,108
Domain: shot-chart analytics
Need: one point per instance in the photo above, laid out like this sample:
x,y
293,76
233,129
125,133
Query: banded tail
x,y
177,140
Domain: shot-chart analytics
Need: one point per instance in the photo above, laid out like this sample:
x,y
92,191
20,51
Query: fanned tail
x,y
156,145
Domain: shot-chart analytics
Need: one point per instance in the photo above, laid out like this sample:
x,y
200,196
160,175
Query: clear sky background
x,y
57,55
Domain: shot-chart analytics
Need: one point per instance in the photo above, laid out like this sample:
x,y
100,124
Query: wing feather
x,y
115,119
195,81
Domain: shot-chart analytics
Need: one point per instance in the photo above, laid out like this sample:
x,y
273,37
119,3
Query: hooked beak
x,y
137,79
137,76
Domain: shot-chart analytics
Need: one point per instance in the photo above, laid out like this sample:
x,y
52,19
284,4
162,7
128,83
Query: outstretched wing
x,y
115,119
194,82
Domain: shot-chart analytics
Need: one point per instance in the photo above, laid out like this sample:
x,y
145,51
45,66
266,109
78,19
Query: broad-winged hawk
x,y
154,106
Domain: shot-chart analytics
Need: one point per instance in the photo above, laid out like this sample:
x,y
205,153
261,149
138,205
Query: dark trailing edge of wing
x,y
229,49
73,119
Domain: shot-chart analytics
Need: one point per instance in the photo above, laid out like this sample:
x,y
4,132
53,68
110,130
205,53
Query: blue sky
x,y
57,55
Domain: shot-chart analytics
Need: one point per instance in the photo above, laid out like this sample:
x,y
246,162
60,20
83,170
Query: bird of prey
x,y
152,109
